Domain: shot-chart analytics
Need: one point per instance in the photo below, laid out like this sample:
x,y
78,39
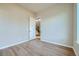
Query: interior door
x,y
32,28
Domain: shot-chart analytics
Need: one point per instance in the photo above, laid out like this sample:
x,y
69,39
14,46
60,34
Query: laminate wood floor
x,y
37,48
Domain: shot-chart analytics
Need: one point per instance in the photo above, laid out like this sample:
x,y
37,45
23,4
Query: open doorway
x,y
38,28
34,28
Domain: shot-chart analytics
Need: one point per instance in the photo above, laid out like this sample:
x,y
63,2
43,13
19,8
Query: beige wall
x,y
13,25
56,24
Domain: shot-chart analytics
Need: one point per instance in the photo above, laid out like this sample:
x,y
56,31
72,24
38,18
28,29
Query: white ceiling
x,y
36,7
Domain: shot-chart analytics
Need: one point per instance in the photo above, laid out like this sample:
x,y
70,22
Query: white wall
x,y
56,24
76,28
13,25
77,23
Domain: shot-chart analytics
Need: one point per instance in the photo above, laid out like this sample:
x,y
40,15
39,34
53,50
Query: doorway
x,y
34,28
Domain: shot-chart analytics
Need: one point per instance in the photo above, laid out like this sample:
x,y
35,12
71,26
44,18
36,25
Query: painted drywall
x,y
13,25
77,23
56,24
76,28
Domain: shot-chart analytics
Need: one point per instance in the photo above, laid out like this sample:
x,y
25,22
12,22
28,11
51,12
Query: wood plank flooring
x,y
37,48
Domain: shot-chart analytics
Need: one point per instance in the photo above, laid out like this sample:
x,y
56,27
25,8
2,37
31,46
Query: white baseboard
x,y
75,52
63,45
41,40
13,44
57,43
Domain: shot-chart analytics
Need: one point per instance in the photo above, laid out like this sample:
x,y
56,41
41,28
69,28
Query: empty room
x,y
39,29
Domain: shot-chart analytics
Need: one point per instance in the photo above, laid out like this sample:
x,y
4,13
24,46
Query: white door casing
x,y
32,28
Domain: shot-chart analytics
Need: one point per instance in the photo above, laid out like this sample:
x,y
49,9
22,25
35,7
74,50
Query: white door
x,y
32,28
